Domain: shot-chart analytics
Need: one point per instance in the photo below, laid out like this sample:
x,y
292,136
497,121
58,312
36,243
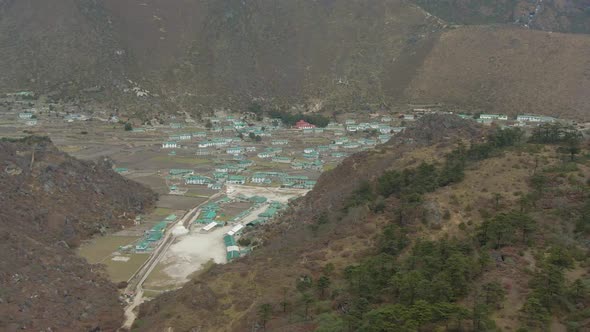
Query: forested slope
x,y
490,231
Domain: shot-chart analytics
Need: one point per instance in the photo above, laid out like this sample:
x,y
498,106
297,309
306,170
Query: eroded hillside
x,y
49,202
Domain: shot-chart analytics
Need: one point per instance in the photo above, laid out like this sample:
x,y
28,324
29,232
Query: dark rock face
x,y
49,202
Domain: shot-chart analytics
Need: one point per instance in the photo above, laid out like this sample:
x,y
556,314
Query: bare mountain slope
x,y
286,50
50,201
325,54
508,70
63,44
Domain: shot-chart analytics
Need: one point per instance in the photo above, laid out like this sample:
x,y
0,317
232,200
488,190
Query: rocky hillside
x,y
326,55
452,233
50,201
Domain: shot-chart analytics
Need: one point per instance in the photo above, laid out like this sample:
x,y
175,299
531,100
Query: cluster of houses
x,y
227,174
519,121
29,117
233,251
155,234
310,158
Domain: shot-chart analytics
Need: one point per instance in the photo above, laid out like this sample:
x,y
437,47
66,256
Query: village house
x,y
484,121
176,172
236,179
203,152
234,150
199,180
384,138
215,186
279,142
297,165
500,117
169,145
385,129
245,163
308,131
334,126
338,155
220,175
368,142
261,178
25,115
222,169
302,124
534,118
340,141
352,128
180,137
351,145
235,168
283,160
322,148
269,153
311,155
250,149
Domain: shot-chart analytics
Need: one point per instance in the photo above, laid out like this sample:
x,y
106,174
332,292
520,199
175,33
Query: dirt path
x,y
136,282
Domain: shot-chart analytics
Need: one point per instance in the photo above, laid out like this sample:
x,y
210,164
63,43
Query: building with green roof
x,y
180,172
155,236
236,179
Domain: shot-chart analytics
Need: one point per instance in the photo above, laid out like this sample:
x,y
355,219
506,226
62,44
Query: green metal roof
x,y
229,240
159,226
258,199
155,236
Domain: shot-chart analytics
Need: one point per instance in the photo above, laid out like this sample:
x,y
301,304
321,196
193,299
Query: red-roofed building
x,y
301,124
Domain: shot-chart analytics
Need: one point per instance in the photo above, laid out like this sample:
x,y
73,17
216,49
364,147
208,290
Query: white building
x,y
534,118
25,115
169,145
501,117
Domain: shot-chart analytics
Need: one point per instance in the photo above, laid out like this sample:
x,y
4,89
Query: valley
x,y
295,165
228,182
